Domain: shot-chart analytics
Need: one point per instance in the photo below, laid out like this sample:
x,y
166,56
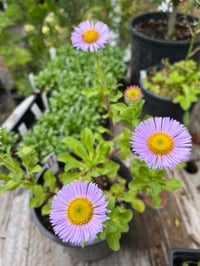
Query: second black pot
x,y
156,105
147,51
180,255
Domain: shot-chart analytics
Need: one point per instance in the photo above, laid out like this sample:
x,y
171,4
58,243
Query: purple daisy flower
x,y
78,212
161,142
90,36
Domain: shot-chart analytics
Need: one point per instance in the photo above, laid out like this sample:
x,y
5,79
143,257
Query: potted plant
x,y
159,35
90,201
171,89
184,257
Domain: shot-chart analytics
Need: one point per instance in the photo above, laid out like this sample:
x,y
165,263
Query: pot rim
x,y
184,253
158,15
143,73
55,238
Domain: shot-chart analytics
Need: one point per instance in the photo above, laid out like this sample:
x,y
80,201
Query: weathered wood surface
x,y
151,236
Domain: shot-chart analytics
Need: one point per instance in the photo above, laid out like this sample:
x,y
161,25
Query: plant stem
x,y
172,22
194,35
103,86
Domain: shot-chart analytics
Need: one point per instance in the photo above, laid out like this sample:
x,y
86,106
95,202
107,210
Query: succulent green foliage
x,y
54,124
68,77
77,68
150,181
179,81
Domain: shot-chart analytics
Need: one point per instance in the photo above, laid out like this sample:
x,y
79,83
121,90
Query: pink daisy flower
x,y
90,36
161,142
132,94
78,212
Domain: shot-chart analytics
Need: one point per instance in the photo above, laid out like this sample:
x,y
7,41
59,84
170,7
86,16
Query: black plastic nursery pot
x,y
147,51
96,250
180,255
92,251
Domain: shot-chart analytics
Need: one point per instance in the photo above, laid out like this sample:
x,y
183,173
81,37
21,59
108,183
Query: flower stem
x,y
103,86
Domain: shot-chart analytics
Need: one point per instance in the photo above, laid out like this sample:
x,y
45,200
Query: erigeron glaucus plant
x,y
82,210
160,143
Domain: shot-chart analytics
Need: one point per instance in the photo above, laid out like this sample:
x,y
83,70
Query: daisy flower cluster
x,y
94,202
80,209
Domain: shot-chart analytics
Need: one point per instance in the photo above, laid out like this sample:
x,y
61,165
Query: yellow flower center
x,y
160,143
80,211
90,36
133,93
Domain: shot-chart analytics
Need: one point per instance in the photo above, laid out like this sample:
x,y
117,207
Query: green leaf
x,y
49,180
10,185
46,208
70,161
90,92
111,202
138,205
172,184
76,147
88,140
103,149
36,169
67,178
116,188
110,168
156,200
136,184
126,216
11,164
113,240
38,196
117,96
123,141
110,226
130,195
124,228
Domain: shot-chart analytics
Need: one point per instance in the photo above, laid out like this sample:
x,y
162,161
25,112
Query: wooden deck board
x,y
151,236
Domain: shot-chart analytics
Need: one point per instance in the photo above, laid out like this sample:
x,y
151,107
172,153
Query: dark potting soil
x,y
157,29
44,219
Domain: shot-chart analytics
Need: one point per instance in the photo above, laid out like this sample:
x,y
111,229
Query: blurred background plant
x,y
70,81
7,140
29,28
